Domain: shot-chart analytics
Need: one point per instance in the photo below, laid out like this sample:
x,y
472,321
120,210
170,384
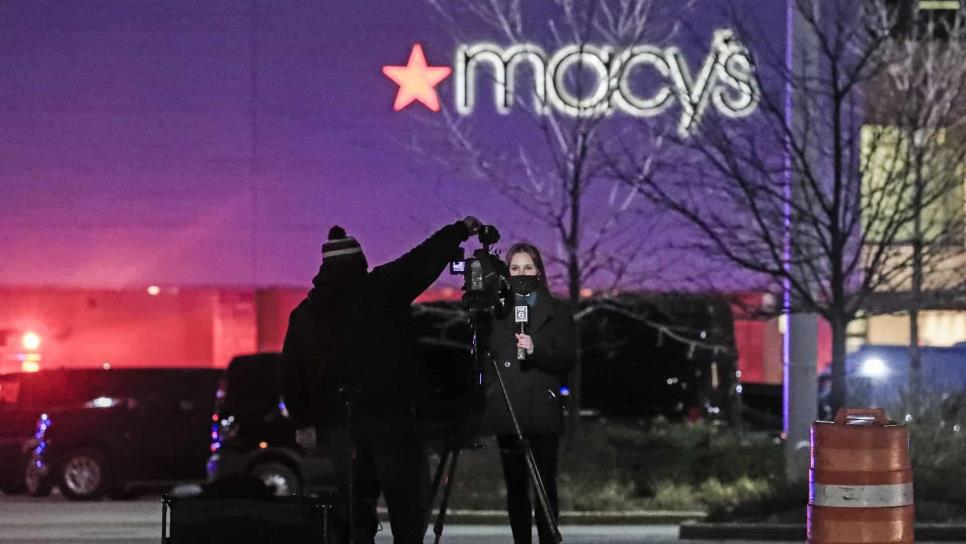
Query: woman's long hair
x,y
534,253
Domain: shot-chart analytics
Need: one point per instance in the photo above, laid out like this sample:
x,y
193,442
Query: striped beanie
x,y
340,245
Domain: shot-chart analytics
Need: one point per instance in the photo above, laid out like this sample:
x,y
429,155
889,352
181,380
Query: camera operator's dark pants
x,y
517,479
391,458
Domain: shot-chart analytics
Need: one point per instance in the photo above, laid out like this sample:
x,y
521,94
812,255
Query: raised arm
x,y
407,277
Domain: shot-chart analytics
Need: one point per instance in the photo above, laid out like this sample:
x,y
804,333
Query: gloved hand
x,y
473,224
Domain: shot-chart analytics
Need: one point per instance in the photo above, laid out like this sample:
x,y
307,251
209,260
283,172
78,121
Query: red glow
x,y
416,80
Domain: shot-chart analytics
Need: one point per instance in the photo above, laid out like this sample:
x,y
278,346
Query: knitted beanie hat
x,y
339,245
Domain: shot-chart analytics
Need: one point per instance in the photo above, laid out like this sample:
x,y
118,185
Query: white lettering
x,y
584,56
726,80
503,63
625,99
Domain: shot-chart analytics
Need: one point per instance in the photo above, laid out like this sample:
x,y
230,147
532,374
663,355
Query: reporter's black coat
x,y
356,328
533,385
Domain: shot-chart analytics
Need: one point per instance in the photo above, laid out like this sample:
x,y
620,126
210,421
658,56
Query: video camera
x,y
486,284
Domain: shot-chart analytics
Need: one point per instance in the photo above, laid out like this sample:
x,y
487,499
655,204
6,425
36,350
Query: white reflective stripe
x,y
338,252
861,496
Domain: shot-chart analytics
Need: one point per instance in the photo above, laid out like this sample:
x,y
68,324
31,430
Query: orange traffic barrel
x,y
860,480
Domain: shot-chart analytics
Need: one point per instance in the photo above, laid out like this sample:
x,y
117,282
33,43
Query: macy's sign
x,y
725,80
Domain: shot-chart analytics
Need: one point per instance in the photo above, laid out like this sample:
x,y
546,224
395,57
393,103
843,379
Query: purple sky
x,y
192,143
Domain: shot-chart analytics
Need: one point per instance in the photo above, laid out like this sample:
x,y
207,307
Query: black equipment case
x,y
210,520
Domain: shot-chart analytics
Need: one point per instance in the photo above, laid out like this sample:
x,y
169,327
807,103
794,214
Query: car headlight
x,y
874,367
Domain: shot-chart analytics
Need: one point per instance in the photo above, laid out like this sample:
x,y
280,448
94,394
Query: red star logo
x,y
416,80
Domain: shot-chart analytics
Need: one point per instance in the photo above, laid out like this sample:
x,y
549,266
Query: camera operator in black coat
x,y
352,340
533,386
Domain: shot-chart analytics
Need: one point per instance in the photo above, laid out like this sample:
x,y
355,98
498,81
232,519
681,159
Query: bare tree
x,y
559,180
824,204
922,99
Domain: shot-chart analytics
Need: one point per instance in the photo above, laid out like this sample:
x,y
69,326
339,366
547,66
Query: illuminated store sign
x,y
726,79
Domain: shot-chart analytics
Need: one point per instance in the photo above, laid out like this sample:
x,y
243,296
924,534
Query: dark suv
x,y
145,428
252,434
25,395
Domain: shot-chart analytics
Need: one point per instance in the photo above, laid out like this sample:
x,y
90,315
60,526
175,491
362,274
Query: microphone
x,y
521,315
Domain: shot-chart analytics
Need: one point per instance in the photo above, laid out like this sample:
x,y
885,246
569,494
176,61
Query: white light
x,y
739,389
154,290
957,428
874,367
30,341
102,402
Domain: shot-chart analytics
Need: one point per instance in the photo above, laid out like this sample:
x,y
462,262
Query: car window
x,y
43,390
64,388
165,389
253,386
74,387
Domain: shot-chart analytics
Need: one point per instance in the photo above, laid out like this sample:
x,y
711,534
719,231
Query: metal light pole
x,y
800,342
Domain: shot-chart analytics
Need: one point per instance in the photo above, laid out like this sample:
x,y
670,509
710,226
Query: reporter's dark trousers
x,y
518,485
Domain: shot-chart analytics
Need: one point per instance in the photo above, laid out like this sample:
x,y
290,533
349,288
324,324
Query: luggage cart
x,y
213,520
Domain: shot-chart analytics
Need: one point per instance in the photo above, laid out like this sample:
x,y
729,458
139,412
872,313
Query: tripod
x,y
480,320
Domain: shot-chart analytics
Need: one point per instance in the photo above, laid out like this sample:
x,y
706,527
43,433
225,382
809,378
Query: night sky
x,y
178,142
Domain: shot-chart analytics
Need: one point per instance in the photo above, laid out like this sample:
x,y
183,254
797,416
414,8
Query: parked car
x,y
252,435
146,429
25,395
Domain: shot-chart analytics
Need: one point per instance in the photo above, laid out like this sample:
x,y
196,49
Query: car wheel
x,y
281,479
83,474
35,483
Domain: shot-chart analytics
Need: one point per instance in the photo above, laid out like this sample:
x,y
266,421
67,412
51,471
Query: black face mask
x,y
524,285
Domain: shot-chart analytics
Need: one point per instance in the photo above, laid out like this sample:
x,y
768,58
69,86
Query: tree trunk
x,y
576,377
915,355
733,406
839,396
915,362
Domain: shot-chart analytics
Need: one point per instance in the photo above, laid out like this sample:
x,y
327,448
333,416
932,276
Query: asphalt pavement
x,y
55,520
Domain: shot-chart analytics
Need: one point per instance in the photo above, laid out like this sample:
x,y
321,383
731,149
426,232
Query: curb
x,y
795,532
635,517
744,531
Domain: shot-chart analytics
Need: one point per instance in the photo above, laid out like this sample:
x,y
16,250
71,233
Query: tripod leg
x,y
437,479
350,469
444,503
541,490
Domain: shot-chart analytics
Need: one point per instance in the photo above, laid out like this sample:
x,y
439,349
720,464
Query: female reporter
x,y
533,364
